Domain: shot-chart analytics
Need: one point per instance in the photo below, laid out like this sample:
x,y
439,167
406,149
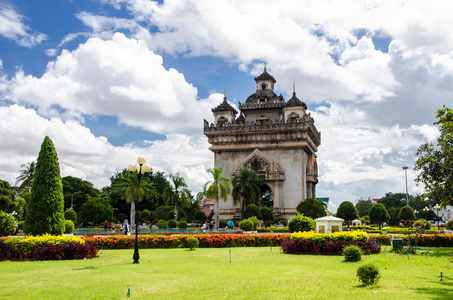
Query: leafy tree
x,y
77,190
266,199
7,224
379,214
70,215
218,188
312,208
347,211
45,211
246,188
397,200
406,213
6,196
176,191
200,216
96,211
252,210
363,206
26,175
393,212
435,162
161,212
267,215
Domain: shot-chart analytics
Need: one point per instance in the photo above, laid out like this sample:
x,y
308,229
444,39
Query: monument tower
x,y
275,138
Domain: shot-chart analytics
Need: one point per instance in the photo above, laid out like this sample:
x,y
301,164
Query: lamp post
x,y
415,212
437,207
405,173
142,169
72,199
426,209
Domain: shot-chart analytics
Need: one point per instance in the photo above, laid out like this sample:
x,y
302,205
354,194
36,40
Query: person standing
x,y
126,227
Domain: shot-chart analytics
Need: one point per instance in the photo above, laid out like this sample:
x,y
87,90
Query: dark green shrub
x,y
193,243
122,217
161,224
172,223
69,226
252,211
20,225
267,215
181,214
200,216
301,223
182,224
448,225
70,215
312,208
223,223
45,210
246,225
161,212
428,225
352,253
145,216
95,210
368,274
7,224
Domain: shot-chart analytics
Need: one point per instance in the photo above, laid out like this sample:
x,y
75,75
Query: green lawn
x,y
254,273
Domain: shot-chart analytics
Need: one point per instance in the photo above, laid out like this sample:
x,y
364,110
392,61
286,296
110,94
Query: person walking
x,y
126,227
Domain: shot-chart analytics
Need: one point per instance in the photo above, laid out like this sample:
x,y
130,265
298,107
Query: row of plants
x,y
315,247
46,247
180,241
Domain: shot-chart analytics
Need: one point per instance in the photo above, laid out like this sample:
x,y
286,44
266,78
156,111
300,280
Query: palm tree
x,y
246,188
218,188
176,191
128,189
26,175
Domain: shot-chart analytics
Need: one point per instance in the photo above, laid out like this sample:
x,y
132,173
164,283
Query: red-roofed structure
x,y
207,206
376,199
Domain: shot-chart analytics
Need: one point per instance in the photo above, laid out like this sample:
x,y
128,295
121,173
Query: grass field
x,y
254,273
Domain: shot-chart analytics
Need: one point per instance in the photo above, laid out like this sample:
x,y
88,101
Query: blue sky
x,y
109,80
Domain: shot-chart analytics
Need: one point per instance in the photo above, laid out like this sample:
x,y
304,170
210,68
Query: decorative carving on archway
x,y
265,167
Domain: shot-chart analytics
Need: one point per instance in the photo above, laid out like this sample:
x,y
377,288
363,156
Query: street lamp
x,y
426,209
437,207
142,169
415,212
72,199
405,173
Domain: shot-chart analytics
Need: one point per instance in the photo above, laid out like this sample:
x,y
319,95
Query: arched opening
x,y
267,197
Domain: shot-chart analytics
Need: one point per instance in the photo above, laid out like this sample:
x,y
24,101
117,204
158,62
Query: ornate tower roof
x,y
224,106
265,76
294,101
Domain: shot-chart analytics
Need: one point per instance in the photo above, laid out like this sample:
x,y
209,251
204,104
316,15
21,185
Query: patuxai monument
x,y
276,138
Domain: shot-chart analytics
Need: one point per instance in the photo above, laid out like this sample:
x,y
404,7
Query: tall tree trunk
x,y
216,212
176,208
132,224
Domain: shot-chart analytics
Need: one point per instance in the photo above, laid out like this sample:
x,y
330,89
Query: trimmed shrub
x,y
192,243
368,274
200,216
45,209
301,223
172,223
223,223
448,225
267,215
322,247
182,224
352,253
145,216
171,214
7,224
69,226
252,211
246,225
121,217
161,224
70,215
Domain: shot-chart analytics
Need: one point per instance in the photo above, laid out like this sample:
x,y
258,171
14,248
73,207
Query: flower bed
x,y
46,247
180,241
316,247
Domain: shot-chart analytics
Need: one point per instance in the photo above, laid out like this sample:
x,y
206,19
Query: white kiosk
x,y
329,224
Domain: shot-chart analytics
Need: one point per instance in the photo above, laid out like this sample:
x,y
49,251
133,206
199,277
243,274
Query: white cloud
x,y
12,27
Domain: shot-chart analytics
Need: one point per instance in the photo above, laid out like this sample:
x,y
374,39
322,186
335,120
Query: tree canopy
x,y
347,211
379,214
218,188
435,162
246,188
312,208
45,210
363,206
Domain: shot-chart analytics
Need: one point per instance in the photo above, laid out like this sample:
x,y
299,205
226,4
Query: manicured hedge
x,y
180,241
382,239
428,240
332,237
46,248
324,247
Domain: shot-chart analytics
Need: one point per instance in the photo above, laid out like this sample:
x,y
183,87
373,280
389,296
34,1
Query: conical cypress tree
x,y
45,211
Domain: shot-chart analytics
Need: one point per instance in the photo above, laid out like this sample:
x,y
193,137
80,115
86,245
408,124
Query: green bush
x,y
223,223
448,225
172,223
146,216
200,216
69,226
252,211
255,221
246,225
192,243
182,224
267,215
352,253
70,215
20,224
7,224
301,223
122,217
161,224
368,274
181,214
